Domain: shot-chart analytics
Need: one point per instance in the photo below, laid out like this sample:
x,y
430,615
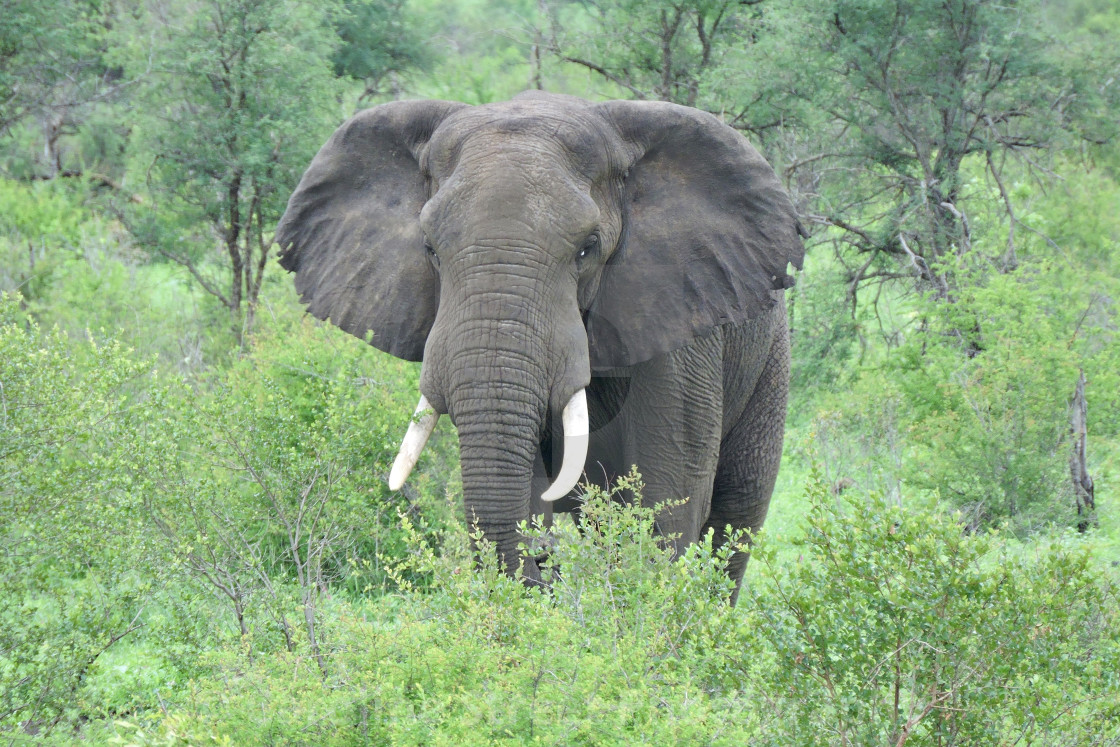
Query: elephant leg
x,y
749,458
670,428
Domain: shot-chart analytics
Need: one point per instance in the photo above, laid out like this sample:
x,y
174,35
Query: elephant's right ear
x,y
351,232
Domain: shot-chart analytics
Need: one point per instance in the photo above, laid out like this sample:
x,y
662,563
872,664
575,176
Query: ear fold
x,y
351,232
708,233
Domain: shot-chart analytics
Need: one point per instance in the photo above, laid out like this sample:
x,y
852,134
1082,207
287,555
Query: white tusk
x,y
423,423
576,429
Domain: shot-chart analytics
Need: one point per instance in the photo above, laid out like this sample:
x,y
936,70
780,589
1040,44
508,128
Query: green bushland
x,y
200,544
196,540
894,624
154,590
157,512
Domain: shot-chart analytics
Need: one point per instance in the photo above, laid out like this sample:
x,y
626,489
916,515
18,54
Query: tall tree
x,y
916,108
920,138
241,94
653,50
51,67
380,43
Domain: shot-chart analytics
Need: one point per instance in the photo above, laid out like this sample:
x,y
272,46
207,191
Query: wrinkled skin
x,y
529,249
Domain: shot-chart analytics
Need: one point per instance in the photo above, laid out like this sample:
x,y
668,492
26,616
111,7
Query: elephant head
x,y
517,247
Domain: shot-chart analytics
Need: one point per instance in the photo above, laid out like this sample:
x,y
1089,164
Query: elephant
x,y
589,286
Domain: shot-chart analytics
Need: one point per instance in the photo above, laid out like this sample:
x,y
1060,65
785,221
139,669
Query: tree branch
x,y
606,74
197,276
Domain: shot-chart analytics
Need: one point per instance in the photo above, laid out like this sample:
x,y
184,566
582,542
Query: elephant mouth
x,y
576,437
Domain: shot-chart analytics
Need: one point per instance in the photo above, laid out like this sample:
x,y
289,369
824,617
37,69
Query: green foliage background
x,y
197,542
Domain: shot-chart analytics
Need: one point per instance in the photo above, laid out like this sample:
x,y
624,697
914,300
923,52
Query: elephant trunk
x,y
497,471
499,415
497,363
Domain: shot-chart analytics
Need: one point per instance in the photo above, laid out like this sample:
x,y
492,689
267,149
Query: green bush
x,y
894,626
988,415
149,517
858,437
898,626
41,226
627,648
979,418
43,211
272,477
71,466
76,270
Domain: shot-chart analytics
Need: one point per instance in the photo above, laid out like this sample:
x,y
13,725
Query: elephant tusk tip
x,y
402,466
555,493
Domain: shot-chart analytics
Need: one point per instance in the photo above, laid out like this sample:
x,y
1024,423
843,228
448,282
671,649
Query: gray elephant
x,y
590,286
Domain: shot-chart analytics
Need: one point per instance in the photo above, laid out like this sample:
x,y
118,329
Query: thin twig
x,y
608,75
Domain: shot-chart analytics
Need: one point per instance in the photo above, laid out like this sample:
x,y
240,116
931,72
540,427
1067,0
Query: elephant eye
x,y
590,247
431,252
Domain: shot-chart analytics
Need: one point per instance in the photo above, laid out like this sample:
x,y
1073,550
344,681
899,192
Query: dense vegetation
x,y
197,541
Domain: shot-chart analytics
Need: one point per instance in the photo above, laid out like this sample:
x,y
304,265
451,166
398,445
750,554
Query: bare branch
x,y
206,285
607,74
841,223
964,223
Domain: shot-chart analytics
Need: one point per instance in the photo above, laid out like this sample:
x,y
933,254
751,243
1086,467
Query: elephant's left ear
x,y
708,234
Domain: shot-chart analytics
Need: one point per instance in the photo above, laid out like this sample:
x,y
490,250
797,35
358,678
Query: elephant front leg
x,y
669,427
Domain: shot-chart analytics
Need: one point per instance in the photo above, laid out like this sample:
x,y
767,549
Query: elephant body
x,y
621,265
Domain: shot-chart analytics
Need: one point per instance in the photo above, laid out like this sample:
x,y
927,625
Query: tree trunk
x,y
52,132
1078,469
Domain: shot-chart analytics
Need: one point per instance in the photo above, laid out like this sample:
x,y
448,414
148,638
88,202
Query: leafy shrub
x,y
858,437
272,479
71,457
133,499
894,626
824,331
612,655
897,626
972,406
44,211
989,415
40,226
76,270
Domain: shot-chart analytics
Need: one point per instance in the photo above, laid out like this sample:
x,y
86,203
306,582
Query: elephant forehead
x,y
573,138
513,193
